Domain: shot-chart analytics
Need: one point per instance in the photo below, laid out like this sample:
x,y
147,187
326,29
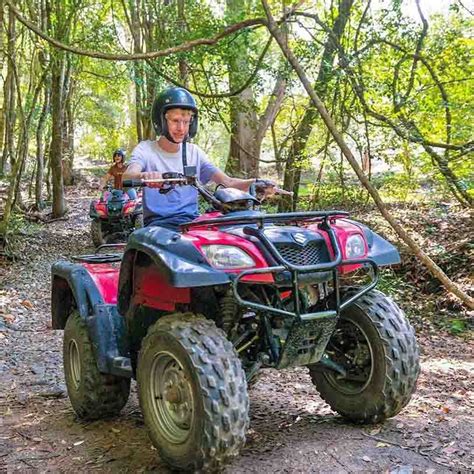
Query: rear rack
x,y
101,257
98,258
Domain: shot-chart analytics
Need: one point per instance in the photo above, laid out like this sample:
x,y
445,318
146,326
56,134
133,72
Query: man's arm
x,y
133,171
219,177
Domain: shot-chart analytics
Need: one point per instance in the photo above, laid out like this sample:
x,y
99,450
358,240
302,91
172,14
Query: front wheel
x,y
192,392
97,233
92,394
376,345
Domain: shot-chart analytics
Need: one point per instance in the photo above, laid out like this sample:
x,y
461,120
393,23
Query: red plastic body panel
x,y
105,277
208,215
101,208
129,207
343,230
215,237
207,235
151,289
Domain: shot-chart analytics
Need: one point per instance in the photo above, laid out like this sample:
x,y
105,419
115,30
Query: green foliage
x,y
458,326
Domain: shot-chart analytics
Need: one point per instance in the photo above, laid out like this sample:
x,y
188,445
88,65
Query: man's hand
x,y
150,175
264,188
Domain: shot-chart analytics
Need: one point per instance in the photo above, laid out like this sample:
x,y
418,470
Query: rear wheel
x,y
92,394
193,393
376,345
97,233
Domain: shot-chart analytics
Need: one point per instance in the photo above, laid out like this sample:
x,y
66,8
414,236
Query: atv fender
x,y
381,251
73,285
71,282
173,256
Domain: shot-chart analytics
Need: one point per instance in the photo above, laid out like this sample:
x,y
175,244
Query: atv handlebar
x,y
169,180
142,183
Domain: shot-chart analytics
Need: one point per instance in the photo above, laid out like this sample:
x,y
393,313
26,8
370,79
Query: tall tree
x,y
299,140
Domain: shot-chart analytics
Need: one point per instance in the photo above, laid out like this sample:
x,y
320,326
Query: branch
x,y
419,45
329,122
233,93
138,56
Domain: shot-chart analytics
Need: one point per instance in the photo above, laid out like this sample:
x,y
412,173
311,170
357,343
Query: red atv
x,y
115,215
193,315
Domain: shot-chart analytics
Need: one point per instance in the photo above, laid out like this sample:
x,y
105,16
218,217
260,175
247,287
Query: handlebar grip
x,y
133,183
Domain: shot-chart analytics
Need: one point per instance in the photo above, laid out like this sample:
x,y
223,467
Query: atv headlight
x,y
227,256
355,246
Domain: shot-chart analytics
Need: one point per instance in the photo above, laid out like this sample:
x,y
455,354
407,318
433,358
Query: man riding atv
x,y
175,120
194,311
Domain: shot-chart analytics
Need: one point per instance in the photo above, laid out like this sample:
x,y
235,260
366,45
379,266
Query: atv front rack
x,y
324,217
260,220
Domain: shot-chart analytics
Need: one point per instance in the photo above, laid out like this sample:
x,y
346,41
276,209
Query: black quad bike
x,y
193,315
114,216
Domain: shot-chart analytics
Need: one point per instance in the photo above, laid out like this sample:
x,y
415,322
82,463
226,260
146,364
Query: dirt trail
x,y
292,429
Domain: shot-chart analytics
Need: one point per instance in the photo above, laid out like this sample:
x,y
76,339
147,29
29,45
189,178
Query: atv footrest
x,y
307,340
122,366
318,315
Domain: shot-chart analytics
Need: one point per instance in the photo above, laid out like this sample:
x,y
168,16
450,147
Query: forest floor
x,y
292,430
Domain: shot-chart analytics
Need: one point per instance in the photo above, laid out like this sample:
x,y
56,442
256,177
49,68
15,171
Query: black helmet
x,y
173,98
119,152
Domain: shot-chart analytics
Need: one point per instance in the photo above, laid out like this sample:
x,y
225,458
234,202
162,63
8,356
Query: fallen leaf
x,y
78,443
27,304
446,409
366,459
381,445
115,430
9,318
450,450
374,432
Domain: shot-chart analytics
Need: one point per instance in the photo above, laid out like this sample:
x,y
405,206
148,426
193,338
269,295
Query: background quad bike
x,y
193,386
114,216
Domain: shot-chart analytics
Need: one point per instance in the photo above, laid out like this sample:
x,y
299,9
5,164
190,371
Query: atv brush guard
x,y
298,349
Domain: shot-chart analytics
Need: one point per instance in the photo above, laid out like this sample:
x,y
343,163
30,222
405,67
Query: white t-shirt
x,y
180,204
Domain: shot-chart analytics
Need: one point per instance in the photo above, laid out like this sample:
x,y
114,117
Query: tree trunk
x,y
243,158
9,101
296,156
434,269
2,82
182,64
68,128
56,147
39,204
